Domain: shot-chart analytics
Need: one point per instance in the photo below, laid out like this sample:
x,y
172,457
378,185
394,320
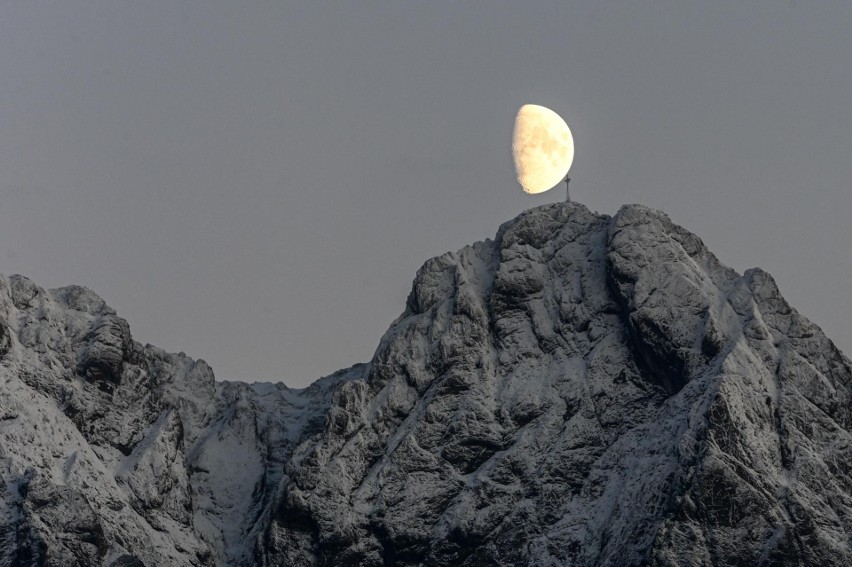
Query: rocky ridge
x,y
581,390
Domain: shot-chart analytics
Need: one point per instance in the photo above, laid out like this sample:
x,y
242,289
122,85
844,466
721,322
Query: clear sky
x,y
256,183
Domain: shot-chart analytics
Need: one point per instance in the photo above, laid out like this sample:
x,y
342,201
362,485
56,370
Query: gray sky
x,y
256,183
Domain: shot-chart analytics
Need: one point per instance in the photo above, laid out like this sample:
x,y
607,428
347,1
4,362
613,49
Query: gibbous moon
x,y
543,148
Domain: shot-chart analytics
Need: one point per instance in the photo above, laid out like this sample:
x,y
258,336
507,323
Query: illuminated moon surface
x,y
543,148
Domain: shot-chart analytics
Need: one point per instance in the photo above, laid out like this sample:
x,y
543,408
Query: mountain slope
x,y
114,451
582,390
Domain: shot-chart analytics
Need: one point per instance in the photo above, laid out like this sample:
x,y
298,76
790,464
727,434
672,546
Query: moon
x,y
543,148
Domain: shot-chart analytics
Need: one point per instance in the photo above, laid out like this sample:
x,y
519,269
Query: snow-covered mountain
x,y
582,390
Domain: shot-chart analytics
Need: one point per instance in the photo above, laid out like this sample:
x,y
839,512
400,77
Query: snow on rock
x,y
116,453
581,390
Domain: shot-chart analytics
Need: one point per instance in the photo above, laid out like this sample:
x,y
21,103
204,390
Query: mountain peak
x,y
583,389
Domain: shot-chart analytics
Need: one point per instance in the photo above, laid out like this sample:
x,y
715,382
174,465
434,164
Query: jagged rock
x,y
582,390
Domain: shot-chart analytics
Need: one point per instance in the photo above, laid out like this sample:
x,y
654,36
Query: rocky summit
x,y
582,390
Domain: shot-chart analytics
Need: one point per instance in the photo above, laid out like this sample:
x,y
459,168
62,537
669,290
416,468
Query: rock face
x,y
114,453
582,390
